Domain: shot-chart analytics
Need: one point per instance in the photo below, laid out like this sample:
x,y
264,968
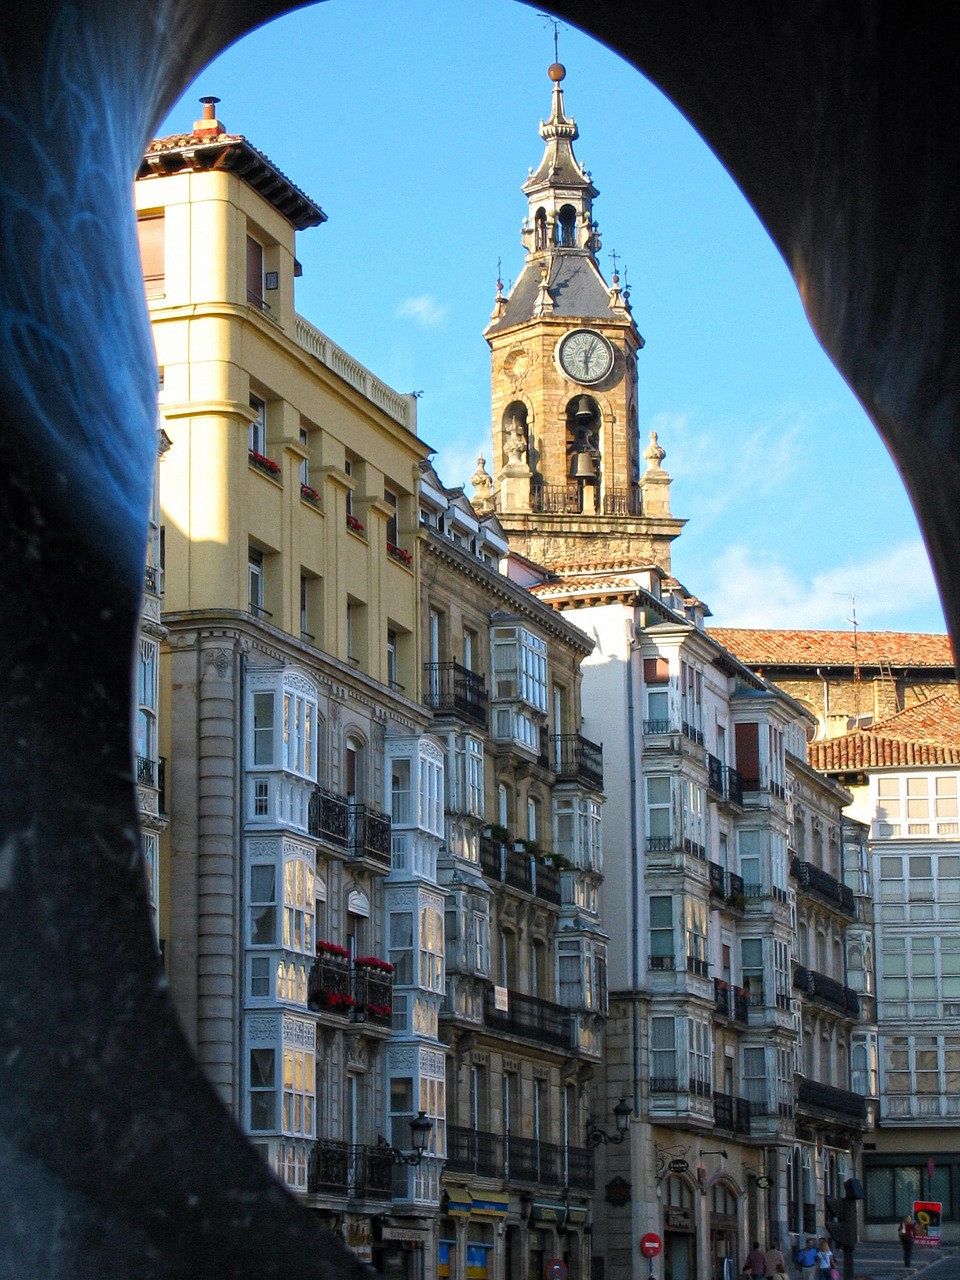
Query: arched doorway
x,y
679,1229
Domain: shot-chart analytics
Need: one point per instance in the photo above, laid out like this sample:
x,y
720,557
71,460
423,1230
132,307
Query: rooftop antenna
x,y
856,655
551,21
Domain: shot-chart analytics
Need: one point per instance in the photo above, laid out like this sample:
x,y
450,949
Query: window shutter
x,y
656,670
254,272
150,235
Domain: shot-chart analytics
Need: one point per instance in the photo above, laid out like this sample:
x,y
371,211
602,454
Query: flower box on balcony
x,y
400,555
338,1002
267,465
354,524
332,949
310,495
373,962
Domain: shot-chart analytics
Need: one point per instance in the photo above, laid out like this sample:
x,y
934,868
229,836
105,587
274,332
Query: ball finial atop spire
x,y
556,71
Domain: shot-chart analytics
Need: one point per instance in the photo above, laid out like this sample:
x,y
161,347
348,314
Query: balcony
x,y
827,992
822,886
361,831
825,1102
530,1018
372,991
346,1169
520,869
724,781
731,1002
146,771
473,1151
578,759
492,1155
328,984
449,687
731,1113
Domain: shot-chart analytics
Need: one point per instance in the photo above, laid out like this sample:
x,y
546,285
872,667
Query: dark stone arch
x,y
840,126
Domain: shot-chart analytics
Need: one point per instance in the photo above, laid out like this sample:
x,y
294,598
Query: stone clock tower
x,y
569,483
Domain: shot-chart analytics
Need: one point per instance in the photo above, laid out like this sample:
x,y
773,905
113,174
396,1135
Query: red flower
x,y
354,524
265,464
332,949
373,962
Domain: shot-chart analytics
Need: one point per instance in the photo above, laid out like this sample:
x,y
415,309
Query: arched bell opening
x,y
515,434
583,451
566,229
540,229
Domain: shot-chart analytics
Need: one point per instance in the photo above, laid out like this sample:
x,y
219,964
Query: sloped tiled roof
x,y
575,285
928,733
232,151
761,647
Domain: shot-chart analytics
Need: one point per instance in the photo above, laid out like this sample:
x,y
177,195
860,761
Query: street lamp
x,y
420,1134
622,1112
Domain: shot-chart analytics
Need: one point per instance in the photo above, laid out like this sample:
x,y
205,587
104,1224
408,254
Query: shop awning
x,y
464,1201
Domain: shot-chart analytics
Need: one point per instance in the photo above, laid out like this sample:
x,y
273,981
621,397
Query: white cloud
x,y
423,310
894,590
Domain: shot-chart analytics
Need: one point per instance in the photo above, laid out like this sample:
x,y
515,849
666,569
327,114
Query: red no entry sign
x,y
556,1269
650,1245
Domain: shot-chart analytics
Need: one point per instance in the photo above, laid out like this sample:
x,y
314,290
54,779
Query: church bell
x,y
584,412
583,468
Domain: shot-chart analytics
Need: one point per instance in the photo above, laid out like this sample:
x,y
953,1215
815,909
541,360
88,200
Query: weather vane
x,y
614,258
551,21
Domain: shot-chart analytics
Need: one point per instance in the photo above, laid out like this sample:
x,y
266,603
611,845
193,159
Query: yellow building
x,y
290,692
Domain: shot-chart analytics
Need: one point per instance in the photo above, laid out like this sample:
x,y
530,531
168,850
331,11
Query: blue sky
x,y
414,127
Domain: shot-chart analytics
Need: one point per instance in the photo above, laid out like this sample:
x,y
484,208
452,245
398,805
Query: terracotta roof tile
x,y
928,733
772,648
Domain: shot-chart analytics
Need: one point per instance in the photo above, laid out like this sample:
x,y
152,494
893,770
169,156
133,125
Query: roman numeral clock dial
x,y
585,356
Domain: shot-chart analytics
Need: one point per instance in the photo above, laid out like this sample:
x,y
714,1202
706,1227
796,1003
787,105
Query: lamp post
x,y
420,1134
621,1112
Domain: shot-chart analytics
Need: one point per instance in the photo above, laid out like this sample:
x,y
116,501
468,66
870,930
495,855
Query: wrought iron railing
x,y
531,1018
369,834
146,771
494,1155
448,686
827,991
827,1100
520,869
473,1151
820,884
731,1113
327,817
347,1169
578,758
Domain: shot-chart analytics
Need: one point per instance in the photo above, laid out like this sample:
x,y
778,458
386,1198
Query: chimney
x,y
209,126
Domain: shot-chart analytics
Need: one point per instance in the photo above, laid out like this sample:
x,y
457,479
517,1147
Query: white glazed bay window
x,y
917,805
281,1091
577,828
286,874
281,747
519,677
416,776
582,974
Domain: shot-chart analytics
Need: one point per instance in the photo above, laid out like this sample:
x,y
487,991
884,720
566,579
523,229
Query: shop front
x,y
679,1230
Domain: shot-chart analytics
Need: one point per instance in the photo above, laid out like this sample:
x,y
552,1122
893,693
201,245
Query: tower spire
x,y
559,192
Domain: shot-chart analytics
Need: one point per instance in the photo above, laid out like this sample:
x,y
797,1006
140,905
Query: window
x,y
299,734
699,1057
431,947
257,430
751,969
263,908
749,846
696,920
150,233
392,659
393,526
255,582
401,947
694,818
691,696
520,666
348,471
263,737
401,799
569,983
663,1055
150,849
481,942
263,1092
298,907
755,1081
305,462
658,711
147,697
299,1068
255,273
260,977
658,815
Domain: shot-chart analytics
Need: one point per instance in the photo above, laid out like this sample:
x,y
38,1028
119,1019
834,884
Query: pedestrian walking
x,y
825,1263
756,1263
807,1258
776,1265
907,1233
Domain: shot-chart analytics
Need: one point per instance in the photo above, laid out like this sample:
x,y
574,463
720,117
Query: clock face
x,y
585,356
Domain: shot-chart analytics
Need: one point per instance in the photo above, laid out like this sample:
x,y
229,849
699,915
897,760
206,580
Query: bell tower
x,y
569,483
